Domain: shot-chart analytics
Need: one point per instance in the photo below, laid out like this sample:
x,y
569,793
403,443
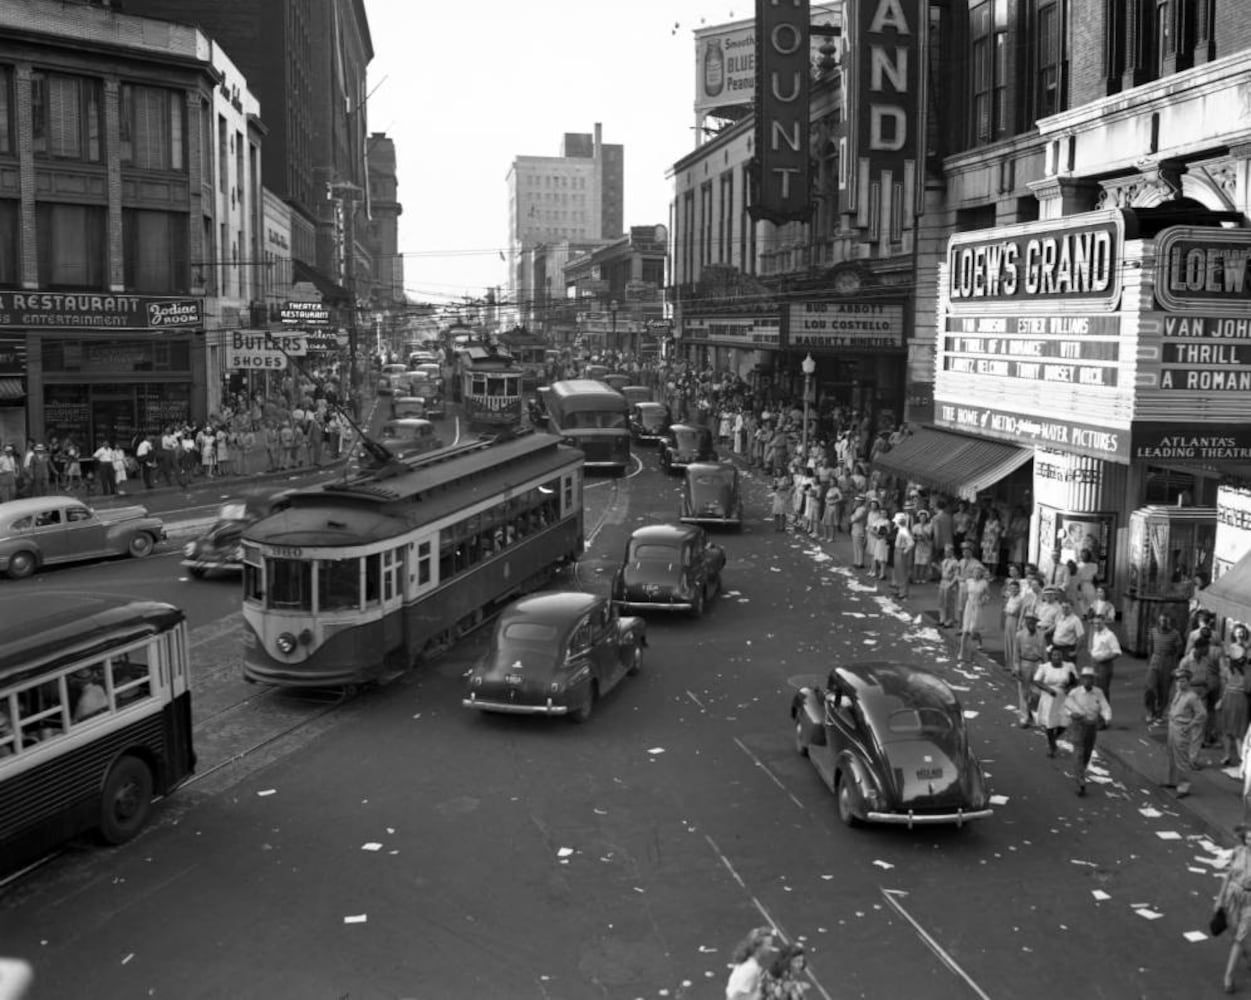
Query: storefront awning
x,y
12,388
1230,596
331,291
953,463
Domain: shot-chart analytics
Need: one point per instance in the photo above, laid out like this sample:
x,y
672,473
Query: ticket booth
x,y
1167,547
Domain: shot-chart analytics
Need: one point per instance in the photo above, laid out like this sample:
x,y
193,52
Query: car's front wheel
x,y
843,792
697,603
636,661
801,744
141,545
21,565
587,705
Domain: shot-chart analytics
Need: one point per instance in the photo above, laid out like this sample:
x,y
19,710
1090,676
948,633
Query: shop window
x,y
152,128
66,119
10,273
71,244
7,147
154,251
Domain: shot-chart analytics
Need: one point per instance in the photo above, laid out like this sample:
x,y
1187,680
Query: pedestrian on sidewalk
x,y
1104,649
879,540
782,981
1089,712
781,501
1053,680
948,587
1164,652
859,531
1231,707
976,609
1068,631
1232,898
904,545
1186,718
923,550
1030,649
1205,676
1011,621
750,958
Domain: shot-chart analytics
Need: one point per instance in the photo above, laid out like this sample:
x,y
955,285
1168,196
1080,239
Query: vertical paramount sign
x,y
879,174
782,74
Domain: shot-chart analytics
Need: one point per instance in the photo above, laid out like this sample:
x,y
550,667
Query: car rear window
x,y
662,553
918,722
530,632
709,479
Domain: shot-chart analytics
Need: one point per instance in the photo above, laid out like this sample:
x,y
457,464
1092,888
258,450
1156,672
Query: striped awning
x,y
12,388
953,463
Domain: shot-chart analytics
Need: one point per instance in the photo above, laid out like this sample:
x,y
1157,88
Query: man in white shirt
x,y
1068,630
1104,649
146,459
8,474
1089,712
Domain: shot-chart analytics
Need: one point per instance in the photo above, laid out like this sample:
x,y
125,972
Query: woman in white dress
x,y
879,545
976,605
1053,678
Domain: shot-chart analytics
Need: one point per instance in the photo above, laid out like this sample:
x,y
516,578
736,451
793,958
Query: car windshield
x,y
914,722
529,632
710,480
688,438
237,511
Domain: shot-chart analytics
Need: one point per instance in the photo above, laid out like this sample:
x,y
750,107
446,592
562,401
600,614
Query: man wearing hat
x,y
1088,708
1031,650
8,474
904,544
1186,718
39,470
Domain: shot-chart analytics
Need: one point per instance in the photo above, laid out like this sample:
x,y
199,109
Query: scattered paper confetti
x,y
970,713
600,812
1197,871
1149,914
564,852
998,800
1077,861
267,791
655,750
826,878
1168,835
128,958
1151,812
1195,936
883,864
373,845
1099,894
358,918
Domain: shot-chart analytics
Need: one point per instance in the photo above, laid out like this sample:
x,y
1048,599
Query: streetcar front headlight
x,y
286,643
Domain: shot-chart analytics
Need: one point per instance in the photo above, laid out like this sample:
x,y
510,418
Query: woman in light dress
x,y
879,544
1053,678
976,606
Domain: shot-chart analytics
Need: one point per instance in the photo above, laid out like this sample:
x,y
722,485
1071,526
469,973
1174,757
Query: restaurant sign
x,y
26,310
1047,432
828,325
1063,260
305,314
1204,269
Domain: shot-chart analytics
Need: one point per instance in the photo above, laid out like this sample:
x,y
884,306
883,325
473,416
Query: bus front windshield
x,y
596,420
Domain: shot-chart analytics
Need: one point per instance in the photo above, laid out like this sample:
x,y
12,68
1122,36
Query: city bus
x,y
95,717
356,580
593,417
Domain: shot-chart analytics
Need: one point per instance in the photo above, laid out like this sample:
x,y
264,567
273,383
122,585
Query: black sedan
x,y
556,653
683,444
890,742
711,495
669,567
220,549
649,421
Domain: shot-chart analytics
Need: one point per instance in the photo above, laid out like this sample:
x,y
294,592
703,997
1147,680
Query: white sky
x,y
470,86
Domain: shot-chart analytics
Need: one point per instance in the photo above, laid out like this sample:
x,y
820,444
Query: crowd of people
x,y
300,424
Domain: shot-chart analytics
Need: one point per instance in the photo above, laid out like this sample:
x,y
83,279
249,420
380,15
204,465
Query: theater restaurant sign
x,y
1070,334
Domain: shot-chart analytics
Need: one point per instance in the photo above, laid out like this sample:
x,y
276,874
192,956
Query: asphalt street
x,y
397,845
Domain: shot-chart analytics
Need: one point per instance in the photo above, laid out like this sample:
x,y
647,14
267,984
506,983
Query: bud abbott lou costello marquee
x,y
1031,347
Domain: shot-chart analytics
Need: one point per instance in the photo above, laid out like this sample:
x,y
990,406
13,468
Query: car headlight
x,y
286,643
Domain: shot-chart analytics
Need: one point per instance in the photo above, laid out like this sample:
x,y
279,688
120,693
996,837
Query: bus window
x,y
338,584
42,711
8,738
131,675
88,693
289,584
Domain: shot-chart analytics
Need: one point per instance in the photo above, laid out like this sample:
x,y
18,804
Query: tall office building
x,y
575,196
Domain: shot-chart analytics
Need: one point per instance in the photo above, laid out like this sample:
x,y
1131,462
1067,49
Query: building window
x,y
154,247
727,217
989,37
6,111
206,144
152,128
705,223
65,116
10,273
73,250
222,157
1050,59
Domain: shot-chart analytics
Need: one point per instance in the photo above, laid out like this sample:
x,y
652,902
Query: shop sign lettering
x,y
824,325
1161,440
1065,435
1204,268
1077,260
23,310
305,314
781,144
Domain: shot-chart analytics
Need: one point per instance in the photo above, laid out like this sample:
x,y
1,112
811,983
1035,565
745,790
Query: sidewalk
x,y
1129,744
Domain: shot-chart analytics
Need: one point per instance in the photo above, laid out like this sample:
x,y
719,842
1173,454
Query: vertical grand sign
x,y
878,166
782,77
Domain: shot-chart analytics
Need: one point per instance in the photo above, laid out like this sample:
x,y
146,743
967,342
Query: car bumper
x,y
654,605
959,817
708,519
548,707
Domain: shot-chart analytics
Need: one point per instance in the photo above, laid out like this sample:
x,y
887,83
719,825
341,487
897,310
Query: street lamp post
x,y
612,311
809,366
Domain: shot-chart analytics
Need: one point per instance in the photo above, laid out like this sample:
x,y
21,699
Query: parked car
x,y
636,394
408,437
683,444
711,495
649,421
429,390
385,385
556,653
668,567
618,380
42,531
220,548
889,740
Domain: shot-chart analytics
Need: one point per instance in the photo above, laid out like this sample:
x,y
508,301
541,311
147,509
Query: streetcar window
x,y
290,584
423,563
252,590
130,675
392,567
373,577
338,584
